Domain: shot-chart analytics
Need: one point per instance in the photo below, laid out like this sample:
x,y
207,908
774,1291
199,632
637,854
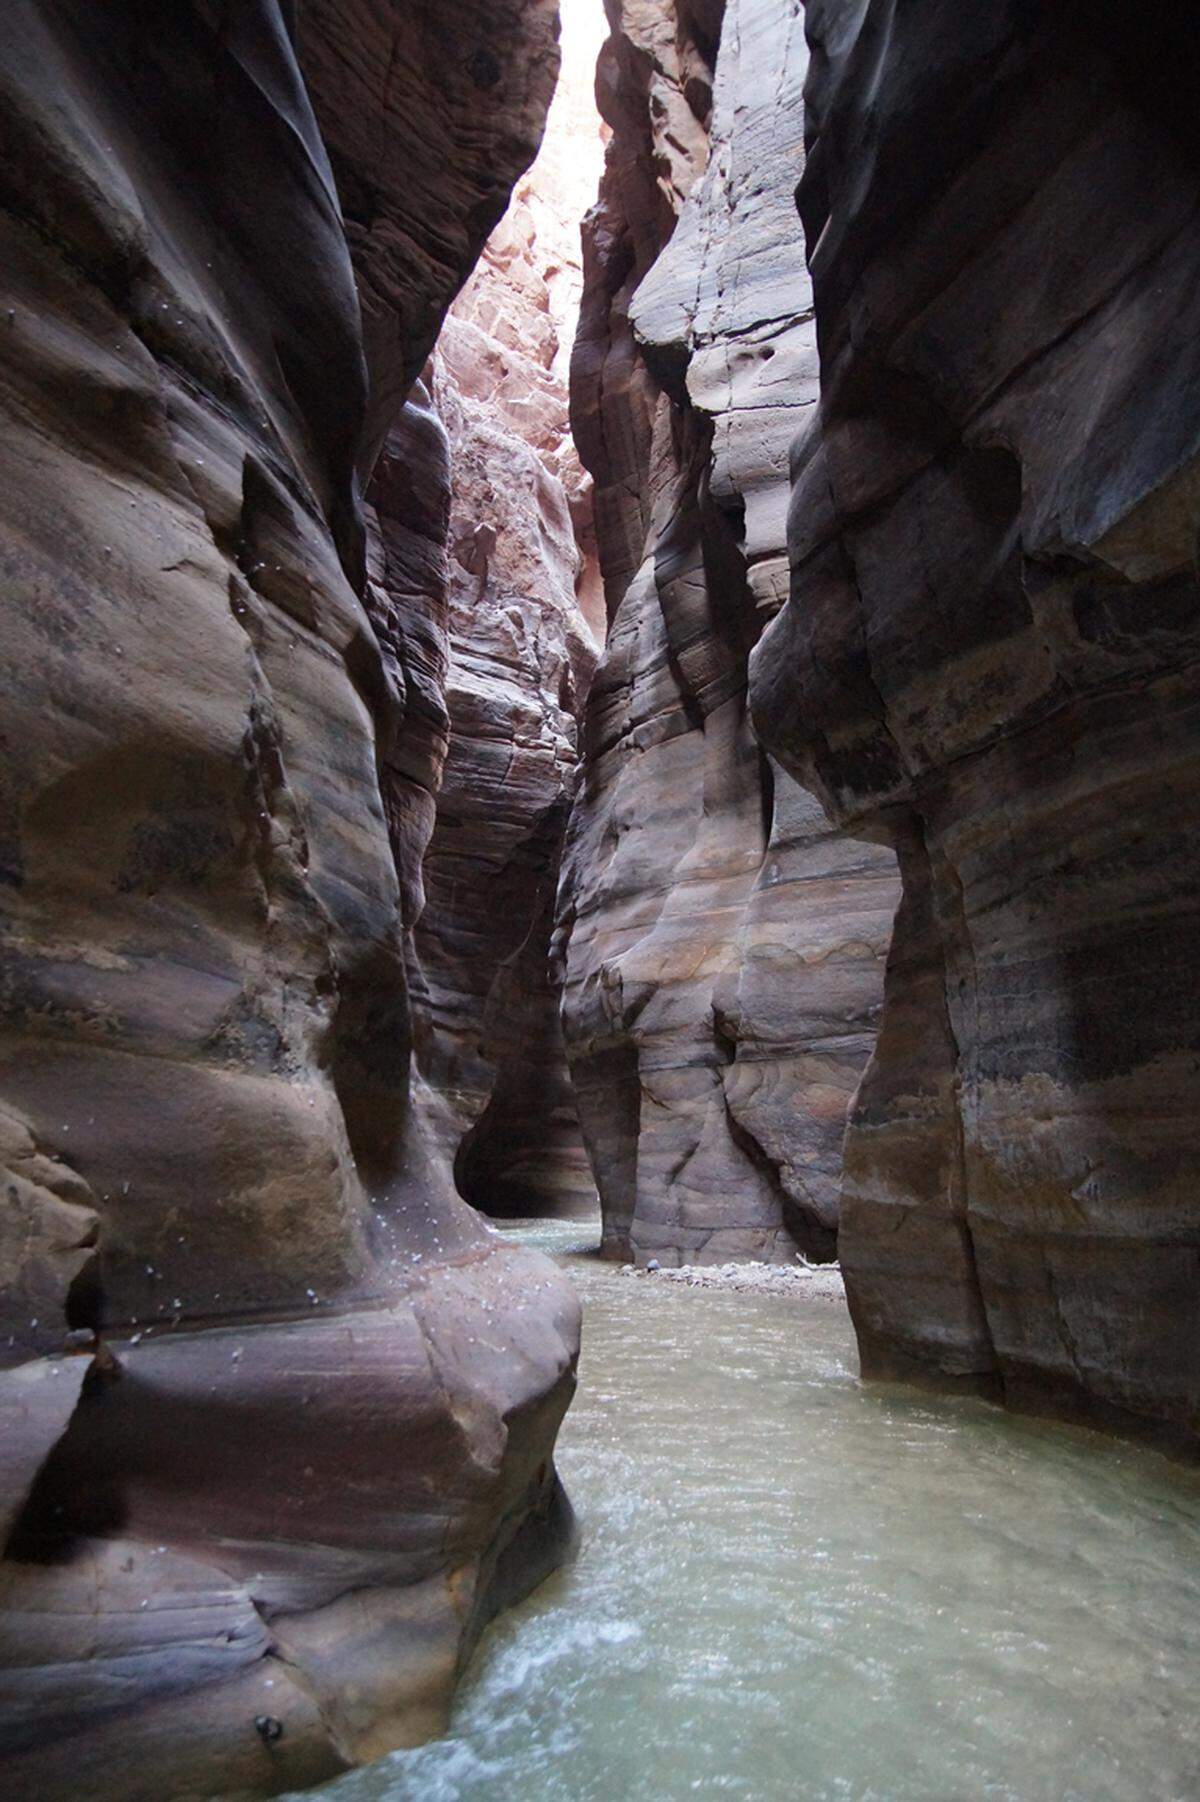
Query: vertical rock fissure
x,y
516,628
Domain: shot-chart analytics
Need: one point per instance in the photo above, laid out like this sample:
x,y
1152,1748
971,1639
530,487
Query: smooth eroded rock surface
x,y
989,658
429,112
277,1411
725,950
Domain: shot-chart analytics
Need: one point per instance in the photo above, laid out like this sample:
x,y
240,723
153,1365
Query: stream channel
x,y
794,1585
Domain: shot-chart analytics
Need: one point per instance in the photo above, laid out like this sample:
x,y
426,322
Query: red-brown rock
x,y
501,552
314,1448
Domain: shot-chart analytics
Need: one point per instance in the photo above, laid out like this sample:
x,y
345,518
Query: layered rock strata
x,y
519,655
489,1036
277,1411
724,945
429,114
989,659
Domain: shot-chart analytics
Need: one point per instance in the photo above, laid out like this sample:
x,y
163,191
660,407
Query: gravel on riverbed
x,y
807,1282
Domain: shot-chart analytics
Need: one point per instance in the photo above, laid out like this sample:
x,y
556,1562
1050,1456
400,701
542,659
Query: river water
x,y
794,1586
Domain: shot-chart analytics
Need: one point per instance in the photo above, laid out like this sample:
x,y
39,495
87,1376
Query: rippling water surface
x,y
793,1586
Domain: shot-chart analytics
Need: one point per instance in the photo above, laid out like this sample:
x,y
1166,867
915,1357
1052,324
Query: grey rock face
x,y
725,954
989,657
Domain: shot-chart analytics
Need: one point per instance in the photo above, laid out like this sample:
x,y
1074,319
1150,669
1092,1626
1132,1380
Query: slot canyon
x,y
599,734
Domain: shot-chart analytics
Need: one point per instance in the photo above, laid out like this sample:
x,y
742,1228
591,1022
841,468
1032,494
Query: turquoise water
x,y
791,1585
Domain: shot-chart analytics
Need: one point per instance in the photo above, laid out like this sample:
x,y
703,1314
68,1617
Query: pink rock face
x,y
314,1448
726,945
429,113
485,565
520,658
989,655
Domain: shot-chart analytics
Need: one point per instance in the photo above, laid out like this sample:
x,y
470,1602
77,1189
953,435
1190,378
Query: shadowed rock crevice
x,y
515,623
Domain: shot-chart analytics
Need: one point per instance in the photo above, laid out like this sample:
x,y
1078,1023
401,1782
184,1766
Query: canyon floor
x,y
789,1583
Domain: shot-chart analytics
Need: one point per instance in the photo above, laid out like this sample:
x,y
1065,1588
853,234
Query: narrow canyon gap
x,y
524,625
418,803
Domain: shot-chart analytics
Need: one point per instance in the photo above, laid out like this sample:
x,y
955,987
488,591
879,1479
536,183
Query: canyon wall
x,y
520,655
488,1034
277,1410
989,659
724,945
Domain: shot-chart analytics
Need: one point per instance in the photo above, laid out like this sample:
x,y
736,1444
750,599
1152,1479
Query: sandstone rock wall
x,y
277,1411
519,660
520,656
429,113
989,658
724,946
